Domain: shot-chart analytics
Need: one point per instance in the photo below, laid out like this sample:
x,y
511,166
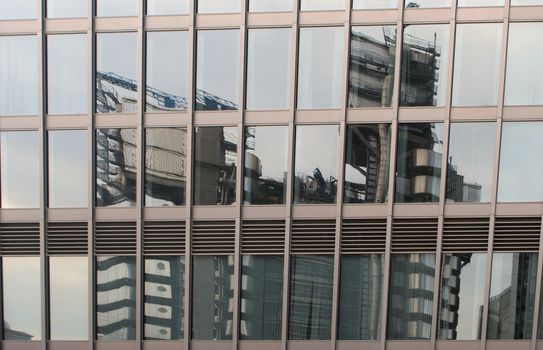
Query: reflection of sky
x,y
428,3
22,305
322,5
317,147
270,5
270,144
218,6
66,8
116,52
167,62
117,7
374,4
18,9
473,3
526,2
167,7
502,270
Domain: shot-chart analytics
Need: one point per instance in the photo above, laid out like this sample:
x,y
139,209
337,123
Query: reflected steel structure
x,y
339,212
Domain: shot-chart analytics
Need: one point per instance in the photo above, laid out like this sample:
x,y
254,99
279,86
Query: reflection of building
x,y
12,334
315,188
457,189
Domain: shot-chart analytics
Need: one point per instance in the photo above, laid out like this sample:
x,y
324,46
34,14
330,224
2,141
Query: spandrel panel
x,y
116,73
367,163
67,8
371,68
425,65
265,164
22,301
167,71
116,167
116,298
167,7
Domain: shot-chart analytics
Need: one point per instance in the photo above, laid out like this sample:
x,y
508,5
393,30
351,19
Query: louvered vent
x,y
363,236
263,237
517,233
164,237
213,237
465,234
67,238
20,238
313,236
115,238
414,234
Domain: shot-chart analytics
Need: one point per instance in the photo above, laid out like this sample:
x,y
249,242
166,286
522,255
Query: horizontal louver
x,y
414,235
263,237
67,238
465,234
164,237
517,233
313,236
115,238
20,238
213,237
363,236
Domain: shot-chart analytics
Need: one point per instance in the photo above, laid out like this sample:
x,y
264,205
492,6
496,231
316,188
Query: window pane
x,y
418,162
19,72
261,297
217,71
19,168
212,296
68,169
113,8
411,296
360,297
67,69
22,301
116,167
167,7
67,8
524,76
19,9
462,294
164,291
315,180
367,163
270,5
512,296
477,64
521,168
320,68
218,6
427,3
322,5
265,164
116,86
268,68
215,153
526,2
476,3
165,166
116,297
68,289
424,65
371,72
374,4
311,297
471,159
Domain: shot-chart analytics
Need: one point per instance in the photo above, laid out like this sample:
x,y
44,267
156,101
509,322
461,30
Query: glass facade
x,y
374,4
21,9
270,5
116,8
427,3
167,7
218,6
479,3
321,5
67,8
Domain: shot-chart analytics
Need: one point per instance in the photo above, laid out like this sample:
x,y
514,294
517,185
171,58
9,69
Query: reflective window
x,y
411,296
462,294
477,3
217,71
68,293
322,5
261,297
477,64
116,167
19,9
523,75
320,67
470,162
360,307
116,73
22,301
270,5
268,68
67,8
521,168
526,2
116,8
19,153
424,65
367,163
212,297
218,6
427,3
371,69
315,172
512,296
68,168
164,291
167,7
310,297
19,72
265,164
165,166
67,68
418,162
116,297
374,4
215,153
167,73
